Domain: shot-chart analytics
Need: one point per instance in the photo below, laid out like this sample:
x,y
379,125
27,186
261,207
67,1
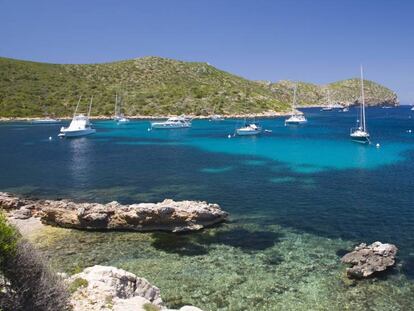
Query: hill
x,y
154,86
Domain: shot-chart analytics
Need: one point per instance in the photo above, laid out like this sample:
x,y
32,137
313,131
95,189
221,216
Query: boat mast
x,y
90,107
77,106
116,102
294,99
363,101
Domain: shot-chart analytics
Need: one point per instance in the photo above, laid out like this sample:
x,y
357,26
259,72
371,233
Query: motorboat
x,y
216,117
296,117
172,123
80,124
249,129
360,133
46,121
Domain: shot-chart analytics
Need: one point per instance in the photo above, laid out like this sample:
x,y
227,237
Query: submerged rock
x,y
369,259
107,288
166,216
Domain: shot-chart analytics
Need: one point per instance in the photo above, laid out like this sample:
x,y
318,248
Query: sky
x,y
318,41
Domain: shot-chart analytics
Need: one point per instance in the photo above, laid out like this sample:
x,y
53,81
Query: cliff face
x,y
157,86
345,92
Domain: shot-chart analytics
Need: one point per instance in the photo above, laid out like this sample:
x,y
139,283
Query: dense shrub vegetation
x,y
26,281
155,86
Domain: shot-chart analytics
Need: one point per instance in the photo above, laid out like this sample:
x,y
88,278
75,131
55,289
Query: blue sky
x,y
317,41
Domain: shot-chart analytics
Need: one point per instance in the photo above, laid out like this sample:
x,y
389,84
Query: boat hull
x,y
360,139
77,133
168,126
287,122
248,133
46,121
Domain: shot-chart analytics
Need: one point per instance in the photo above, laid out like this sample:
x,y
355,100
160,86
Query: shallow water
x,y
298,197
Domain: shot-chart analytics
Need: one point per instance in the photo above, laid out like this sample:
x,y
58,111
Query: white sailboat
x,y
330,106
360,133
80,125
216,117
172,123
296,117
119,117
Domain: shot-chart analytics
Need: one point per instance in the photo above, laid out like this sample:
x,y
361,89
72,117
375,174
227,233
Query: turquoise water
x,y
297,196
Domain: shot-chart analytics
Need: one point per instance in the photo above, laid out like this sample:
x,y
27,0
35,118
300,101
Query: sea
x,y
299,198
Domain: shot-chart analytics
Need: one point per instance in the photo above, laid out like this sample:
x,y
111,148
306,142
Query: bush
x,y
151,307
28,282
8,240
77,283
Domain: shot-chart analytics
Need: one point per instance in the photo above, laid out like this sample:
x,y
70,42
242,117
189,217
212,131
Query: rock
x,y
22,213
7,201
166,216
367,260
107,288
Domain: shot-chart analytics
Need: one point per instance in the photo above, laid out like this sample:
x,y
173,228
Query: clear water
x,y
297,196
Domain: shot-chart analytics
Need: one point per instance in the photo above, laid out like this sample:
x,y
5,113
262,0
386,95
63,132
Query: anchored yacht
x,y
80,125
249,129
296,117
172,123
360,133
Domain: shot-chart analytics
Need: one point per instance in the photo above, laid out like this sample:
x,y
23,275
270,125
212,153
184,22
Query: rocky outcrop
x,y
166,216
107,288
369,259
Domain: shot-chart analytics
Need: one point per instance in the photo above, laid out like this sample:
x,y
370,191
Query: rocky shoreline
x,y
106,288
168,215
266,114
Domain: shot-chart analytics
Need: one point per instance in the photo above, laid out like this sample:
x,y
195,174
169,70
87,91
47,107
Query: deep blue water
x,y
311,178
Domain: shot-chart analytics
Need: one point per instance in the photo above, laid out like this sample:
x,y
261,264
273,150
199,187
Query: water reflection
x,y
81,157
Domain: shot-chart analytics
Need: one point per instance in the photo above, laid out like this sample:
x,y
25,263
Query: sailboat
x,y
295,118
216,117
80,125
119,117
360,133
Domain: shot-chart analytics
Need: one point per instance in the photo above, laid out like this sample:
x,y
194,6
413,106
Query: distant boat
x,y
295,118
80,125
330,105
249,129
345,109
119,117
172,123
360,133
216,117
412,108
46,121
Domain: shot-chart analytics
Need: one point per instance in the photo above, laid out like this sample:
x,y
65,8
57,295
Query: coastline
x,y
267,114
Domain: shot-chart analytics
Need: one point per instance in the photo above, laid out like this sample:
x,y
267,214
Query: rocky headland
x,y
367,260
168,215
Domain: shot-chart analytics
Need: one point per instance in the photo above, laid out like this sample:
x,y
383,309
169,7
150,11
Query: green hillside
x,y
151,86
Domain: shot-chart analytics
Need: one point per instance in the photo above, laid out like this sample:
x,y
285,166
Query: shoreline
x,y
157,117
264,115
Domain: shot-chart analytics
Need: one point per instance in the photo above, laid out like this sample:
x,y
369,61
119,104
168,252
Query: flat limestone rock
x,y
105,288
168,215
366,260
